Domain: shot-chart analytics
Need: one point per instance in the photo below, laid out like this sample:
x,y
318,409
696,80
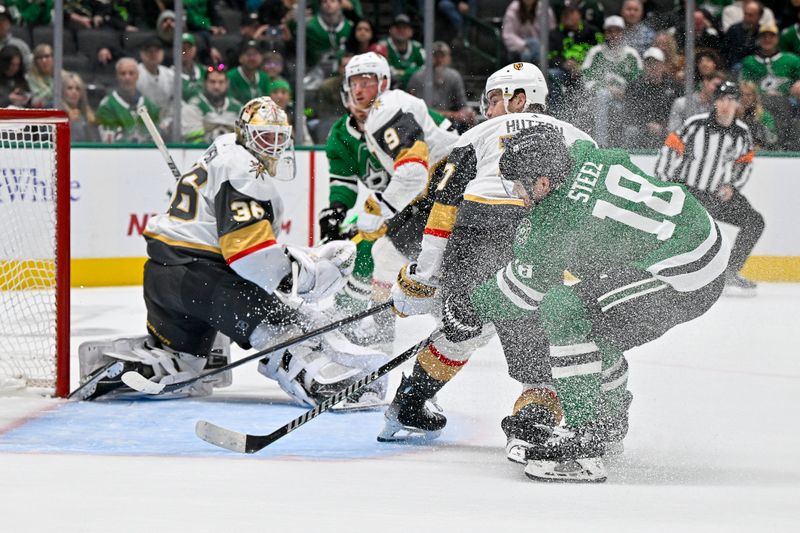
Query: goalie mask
x,y
511,78
366,64
263,129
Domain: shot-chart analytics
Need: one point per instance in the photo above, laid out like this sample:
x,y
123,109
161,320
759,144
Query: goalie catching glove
x,y
319,272
412,294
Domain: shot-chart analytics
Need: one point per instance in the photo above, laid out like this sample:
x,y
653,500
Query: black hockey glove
x,y
330,219
459,321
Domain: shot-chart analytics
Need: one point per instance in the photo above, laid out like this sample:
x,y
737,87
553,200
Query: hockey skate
x,y
614,428
738,285
568,455
408,418
530,426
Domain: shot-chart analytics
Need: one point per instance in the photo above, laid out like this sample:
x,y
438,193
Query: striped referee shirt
x,y
705,155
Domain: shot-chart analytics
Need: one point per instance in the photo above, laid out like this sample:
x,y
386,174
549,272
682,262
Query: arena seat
x,y
90,41
131,41
44,34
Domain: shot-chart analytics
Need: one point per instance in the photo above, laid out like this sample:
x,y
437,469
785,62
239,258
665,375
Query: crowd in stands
x,y
616,67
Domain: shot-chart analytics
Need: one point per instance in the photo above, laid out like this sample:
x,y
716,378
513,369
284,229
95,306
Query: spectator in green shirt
x,y
406,56
777,75
247,80
117,116
790,37
326,33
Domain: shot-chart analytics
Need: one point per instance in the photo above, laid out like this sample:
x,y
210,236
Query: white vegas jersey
x,y
484,145
472,174
224,209
407,142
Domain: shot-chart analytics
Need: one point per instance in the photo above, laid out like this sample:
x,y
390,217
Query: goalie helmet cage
x,y
34,249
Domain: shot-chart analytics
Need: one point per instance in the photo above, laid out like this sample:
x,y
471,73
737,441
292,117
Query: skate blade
x,y
396,432
369,405
739,292
584,470
614,449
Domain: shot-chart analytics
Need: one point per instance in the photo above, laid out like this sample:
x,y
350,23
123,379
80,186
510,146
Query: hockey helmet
x,y
727,88
509,79
263,129
369,63
536,151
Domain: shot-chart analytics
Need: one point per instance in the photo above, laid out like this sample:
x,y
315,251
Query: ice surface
x,y
713,446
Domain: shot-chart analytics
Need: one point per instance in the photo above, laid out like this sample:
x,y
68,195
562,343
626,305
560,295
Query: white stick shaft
x,y
159,142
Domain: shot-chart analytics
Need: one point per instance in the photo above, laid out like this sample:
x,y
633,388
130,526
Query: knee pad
x,y
565,317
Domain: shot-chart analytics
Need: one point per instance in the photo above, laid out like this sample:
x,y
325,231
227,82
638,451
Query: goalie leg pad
x,y
139,353
306,374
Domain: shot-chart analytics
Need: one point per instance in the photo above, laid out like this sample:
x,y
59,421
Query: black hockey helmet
x,y
727,88
536,151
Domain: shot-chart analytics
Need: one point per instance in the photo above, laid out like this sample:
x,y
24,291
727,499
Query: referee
x,y
712,154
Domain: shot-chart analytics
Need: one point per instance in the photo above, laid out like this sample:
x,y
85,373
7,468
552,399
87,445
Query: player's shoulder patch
x,y
399,131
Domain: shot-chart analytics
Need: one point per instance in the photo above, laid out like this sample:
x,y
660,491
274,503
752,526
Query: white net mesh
x,y
27,255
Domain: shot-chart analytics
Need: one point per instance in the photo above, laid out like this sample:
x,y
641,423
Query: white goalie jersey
x,y
224,209
407,142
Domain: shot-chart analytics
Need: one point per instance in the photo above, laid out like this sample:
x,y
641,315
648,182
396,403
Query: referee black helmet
x,y
727,88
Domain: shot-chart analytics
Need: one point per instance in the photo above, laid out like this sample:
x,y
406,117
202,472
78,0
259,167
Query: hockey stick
x,y
246,443
138,382
158,141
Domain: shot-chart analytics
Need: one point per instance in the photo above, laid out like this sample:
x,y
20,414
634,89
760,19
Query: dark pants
x,y
643,317
738,212
188,304
480,245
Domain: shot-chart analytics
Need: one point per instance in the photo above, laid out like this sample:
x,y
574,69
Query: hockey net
x,y
34,250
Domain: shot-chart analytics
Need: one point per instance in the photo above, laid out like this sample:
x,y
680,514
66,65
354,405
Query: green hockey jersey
x,y
350,161
118,121
775,74
243,90
202,122
607,214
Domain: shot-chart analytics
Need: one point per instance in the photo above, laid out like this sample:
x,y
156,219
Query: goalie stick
x,y
158,141
138,382
247,443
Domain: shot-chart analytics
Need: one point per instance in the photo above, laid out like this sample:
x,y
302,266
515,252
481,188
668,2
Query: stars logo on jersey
x,y
523,232
258,168
375,178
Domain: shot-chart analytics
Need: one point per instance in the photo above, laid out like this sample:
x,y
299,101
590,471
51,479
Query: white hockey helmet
x,y
369,63
513,77
263,129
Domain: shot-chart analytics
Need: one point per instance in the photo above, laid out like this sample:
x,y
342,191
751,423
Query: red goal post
x,y
34,250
